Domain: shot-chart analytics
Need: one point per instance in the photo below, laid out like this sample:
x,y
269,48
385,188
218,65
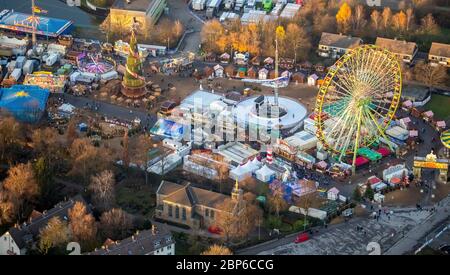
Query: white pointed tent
x,y
265,174
249,166
240,173
256,162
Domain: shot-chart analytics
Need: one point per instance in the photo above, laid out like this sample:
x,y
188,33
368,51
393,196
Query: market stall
x,y
265,174
240,173
333,194
322,165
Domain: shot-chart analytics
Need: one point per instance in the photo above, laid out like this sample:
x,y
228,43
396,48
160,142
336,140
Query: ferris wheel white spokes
x,y
360,93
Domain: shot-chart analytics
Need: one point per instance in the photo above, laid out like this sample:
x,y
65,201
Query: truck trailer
x,y
213,8
198,5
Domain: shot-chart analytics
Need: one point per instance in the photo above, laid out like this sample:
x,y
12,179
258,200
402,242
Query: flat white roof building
x,y
236,152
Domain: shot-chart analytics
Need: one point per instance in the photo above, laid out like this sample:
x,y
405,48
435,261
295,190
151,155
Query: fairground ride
x,y
361,93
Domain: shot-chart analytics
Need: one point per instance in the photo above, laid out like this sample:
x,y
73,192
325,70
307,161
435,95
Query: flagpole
x,y
276,72
33,23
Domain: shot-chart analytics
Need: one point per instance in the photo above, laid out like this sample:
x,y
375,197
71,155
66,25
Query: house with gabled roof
x,y
18,240
335,45
156,241
406,51
439,54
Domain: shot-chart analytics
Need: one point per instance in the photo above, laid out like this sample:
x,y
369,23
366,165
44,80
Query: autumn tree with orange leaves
x,y
217,250
399,20
343,18
82,225
20,189
211,32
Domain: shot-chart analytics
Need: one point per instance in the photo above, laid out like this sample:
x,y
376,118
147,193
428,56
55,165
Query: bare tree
x,y
141,152
71,132
386,18
103,189
276,200
306,202
430,75
359,18
211,32
45,143
106,28
88,159
402,5
428,25
125,152
325,23
252,215
178,28
116,224
298,43
166,34
227,221
409,19
12,138
376,19
238,219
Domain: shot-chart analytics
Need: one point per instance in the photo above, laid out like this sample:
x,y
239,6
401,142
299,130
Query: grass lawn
x,y
136,199
439,105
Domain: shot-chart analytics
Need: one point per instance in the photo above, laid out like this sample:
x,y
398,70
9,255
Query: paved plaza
x,y
345,239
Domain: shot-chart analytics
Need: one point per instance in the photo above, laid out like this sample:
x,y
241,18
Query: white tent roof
x,y
240,170
249,166
334,191
256,162
265,171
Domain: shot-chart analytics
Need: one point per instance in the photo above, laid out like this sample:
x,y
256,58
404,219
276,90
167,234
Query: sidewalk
x,y
414,236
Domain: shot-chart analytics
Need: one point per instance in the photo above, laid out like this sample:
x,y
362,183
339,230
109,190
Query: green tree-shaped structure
x,y
133,84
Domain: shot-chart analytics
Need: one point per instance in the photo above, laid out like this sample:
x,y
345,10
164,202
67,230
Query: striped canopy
x,y
445,138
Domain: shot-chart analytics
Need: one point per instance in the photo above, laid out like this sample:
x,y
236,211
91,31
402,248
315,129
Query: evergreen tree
x,y
357,194
369,193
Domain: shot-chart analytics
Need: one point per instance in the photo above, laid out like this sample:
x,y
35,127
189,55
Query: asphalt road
x,y
179,10
109,110
416,235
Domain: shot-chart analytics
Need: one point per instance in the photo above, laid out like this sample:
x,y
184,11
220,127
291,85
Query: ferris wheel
x,y
357,100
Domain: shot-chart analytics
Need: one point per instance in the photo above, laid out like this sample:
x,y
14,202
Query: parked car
x,y
302,237
347,213
215,230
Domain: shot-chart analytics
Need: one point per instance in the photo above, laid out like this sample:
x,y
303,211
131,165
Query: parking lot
x,y
345,239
